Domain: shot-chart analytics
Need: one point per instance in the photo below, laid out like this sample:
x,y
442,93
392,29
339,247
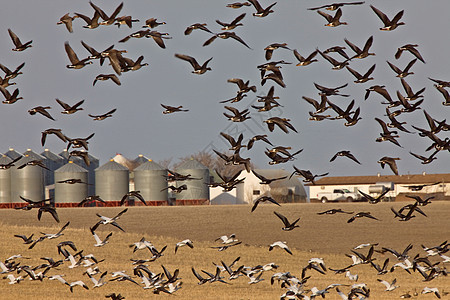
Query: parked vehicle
x,y
338,195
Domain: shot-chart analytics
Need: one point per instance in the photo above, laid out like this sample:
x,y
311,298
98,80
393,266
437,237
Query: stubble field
x,y
326,236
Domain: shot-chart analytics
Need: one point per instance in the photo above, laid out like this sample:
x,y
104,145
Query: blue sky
x,y
139,127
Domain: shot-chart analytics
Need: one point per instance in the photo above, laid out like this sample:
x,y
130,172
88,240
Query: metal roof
x,y
13,154
5,159
71,167
112,165
52,156
149,165
33,155
191,164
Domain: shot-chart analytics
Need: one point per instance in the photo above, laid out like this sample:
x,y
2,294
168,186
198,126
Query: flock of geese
x,y
325,109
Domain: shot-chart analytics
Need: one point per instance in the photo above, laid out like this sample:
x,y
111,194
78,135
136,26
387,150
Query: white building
x,y
285,190
437,185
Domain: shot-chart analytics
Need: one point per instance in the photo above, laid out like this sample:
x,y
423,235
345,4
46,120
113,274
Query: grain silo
x,y
149,180
5,181
13,154
70,193
111,181
197,189
141,159
27,182
53,162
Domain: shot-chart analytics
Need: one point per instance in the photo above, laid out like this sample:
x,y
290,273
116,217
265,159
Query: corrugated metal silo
x,y
5,181
196,189
141,159
28,181
13,154
70,193
111,181
149,180
53,162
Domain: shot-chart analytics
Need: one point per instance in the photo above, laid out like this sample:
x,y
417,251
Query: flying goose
x,y
10,98
107,220
225,247
358,52
236,145
26,240
100,282
280,244
265,180
107,20
288,226
282,123
134,194
344,153
98,241
77,283
18,46
305,61
244,87
238,116
361,215
390,161
334,211
335,6
261,12
330,91
171,109
125,20
104,77
197,68
362,78
75,63
67,21
201,26
42,110
337,65
70,109
373,200
402,73
184,243
103,116
141,244
410,48
389,24
263,199
274,46
261,137
333,21
233,24
226,35
176,189
306,174
236,5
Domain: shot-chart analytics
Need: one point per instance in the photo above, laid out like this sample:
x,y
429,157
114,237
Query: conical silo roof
x,y
191,164
140,160
4,159
33,155
64,154
111,165
52,156
71,168
13,154
149,165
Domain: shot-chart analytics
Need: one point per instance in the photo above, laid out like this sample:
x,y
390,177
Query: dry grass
x,y
327,236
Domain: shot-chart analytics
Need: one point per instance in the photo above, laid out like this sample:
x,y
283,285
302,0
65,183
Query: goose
x,y
420,201
345,153
361,215
225,247
280,244
358,52
158,37
337,65
133,65
107,20
197,68
5,82
352,120
305,61
138,34
389,24
152,23
34,162
330,91
14,280
410,94
265,180
104,77
115,58
115,296
227,239
233,274
306,174
90,23
49,209
103,116
55,131
282,123
83,154
352,277
387,135
75,63
381,270
288,226
59,278
100,282
239,96
235,144
233,24
67,21
319,106
337,49
410,48
374,200
255,280
42,110
238,116
333,21
362,78
171,109
263,199
18,46
10,98
236,5
275,76
70,109
427,290
261,137
176,189
134,194
125,20
390,161
26,240
201,26
141,244
11,74
244,87
402,73
186,242
226,35
261,12
79,142
98,241
201,280
380,89
269,49
77,283
334,211
106,220
390,286
335,6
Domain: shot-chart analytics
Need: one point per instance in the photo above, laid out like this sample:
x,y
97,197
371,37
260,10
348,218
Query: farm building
x,y
437,185
284,191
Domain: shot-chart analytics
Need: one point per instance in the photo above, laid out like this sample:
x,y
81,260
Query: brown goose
x,y
75,62
103,116
17,43
226,35
104,77
197,68
261,12
362,78
201,26
305,61
152,23
70,109
238,4
107,20
67,20
361,53
125,20
335,6
171,109
389,25
405,72
54,131
274,46
390,161
10,98
410,48
333,21
233,24
90,23
42,110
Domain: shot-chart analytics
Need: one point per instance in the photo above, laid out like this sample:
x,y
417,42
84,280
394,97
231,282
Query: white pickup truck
x,y
338,195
